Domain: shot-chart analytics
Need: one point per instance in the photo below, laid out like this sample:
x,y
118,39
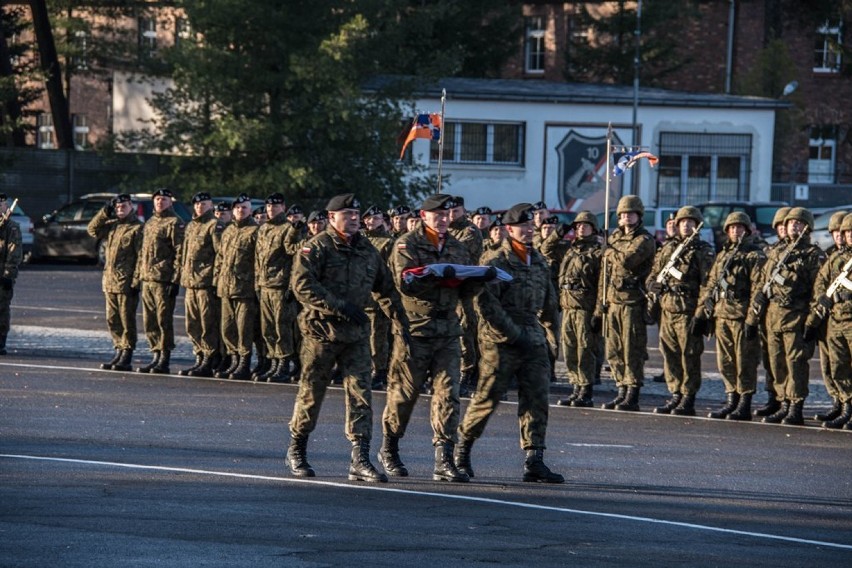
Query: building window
x,y
80,59
534,45
44,132
183,31
829,38
147,37
697,167
482,143
81,131
822,150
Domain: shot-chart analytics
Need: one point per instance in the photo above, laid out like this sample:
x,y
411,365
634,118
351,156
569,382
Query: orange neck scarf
x,y
521,250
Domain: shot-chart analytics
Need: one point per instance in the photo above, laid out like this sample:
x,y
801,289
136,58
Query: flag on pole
x,y
424,126
629,160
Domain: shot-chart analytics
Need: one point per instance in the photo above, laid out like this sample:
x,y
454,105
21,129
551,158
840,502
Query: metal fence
x,y
813,195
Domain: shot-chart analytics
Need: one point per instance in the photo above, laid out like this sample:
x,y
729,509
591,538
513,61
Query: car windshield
x,y
714,215
763,216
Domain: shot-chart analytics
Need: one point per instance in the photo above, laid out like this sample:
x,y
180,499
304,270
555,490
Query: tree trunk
x,y
53,71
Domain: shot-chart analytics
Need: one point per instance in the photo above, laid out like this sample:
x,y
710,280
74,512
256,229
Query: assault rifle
x,y
721,285
8,212
825,303
669,270
757,307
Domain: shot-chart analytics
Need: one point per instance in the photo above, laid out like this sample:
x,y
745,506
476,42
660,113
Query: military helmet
x,y
779,216
835,221
846,225
738,218
586,217
801,214
630,204
689,212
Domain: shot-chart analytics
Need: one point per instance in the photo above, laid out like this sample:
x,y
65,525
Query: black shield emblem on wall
x,y
582,163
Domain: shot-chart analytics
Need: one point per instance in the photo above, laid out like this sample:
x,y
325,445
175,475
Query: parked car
x,y
760,213
26,224
820,235
62,234
654,221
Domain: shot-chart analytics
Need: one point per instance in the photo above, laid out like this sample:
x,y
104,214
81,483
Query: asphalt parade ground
x,y
102,468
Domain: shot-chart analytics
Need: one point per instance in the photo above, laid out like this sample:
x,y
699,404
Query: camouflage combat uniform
x,y
11,256
201,242
464,231
273,265
235,286
380,327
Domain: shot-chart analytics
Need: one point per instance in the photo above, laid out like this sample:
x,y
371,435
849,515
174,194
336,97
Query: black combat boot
x,y
462,457
686,407
670,404
297,457
836,409
124,361
779,415
147,368
619,398
535,470
360,469
584,398
841,419
794,415
379,380
273,367
743,410
280,373
225,371
263,364
199,359
108,366
631,400
772,406
162,366
445,467
204,369
732,400
242,372
570,398
389,457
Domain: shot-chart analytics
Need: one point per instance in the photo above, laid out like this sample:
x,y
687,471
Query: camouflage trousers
x,y
626,343
276,323
498,364
736,357
239,318
158,310
318,359
121,319
6,314
788,357
469,340
769,384
438,357
681,353
840,354
202,320
380,338
825,361
578,347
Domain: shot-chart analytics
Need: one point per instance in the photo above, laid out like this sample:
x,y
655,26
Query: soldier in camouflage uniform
x,y
235,288
11,256
201,241
772,404
119,227
159,271
681,344
835,313
430,306
333,277
496,234
578,296
785,308
540,213
399,220
553,248
514,344
628,259
481,219
380,329
467,234
834,224
272,267
223,215
724,300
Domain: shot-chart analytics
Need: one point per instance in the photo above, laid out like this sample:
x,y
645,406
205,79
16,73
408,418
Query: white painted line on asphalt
x,y
600,446
470,498
73,310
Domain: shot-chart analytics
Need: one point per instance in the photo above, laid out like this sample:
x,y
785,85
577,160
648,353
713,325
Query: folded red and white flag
x,y
463,272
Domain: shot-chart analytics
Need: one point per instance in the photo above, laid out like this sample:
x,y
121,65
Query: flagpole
x,y
604,267
441,139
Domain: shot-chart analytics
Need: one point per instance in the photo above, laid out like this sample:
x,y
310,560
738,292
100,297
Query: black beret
x,y
241,198
458,200
416,213
295,209
552,220
120,198
498,222
317,216
259,211
520,213
400,210
539,205
483,211
201,196
275,199
345,201
163,192
437,202
372,210
223,206
3,197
